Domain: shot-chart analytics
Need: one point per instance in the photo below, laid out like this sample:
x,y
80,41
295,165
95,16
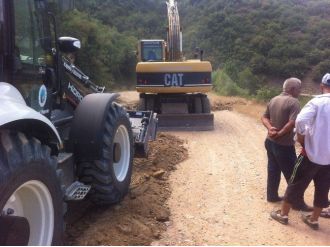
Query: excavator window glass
x,y
152,51
30,57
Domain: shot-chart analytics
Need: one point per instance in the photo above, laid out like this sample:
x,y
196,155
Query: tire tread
x,y
19,151
98,173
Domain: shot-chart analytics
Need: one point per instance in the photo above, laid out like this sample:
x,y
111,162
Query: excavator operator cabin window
x,y
152,51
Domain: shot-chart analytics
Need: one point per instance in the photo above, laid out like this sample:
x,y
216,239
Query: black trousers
x,y
280,159
304,172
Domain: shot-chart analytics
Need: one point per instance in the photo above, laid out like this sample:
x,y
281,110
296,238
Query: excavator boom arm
x,y
174,34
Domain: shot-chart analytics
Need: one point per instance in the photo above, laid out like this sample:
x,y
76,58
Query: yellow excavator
x,y
171,85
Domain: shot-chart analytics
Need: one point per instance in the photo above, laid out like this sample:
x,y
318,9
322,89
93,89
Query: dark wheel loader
x,y
62,137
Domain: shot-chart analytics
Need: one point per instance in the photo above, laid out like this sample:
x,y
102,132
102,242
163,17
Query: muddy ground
x,y
198,188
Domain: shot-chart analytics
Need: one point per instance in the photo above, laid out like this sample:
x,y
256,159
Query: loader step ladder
x,y
77,191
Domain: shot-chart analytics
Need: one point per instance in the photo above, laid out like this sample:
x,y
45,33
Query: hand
x,y
273,132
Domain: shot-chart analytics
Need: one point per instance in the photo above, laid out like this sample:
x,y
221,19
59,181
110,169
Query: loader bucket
x,y
185,122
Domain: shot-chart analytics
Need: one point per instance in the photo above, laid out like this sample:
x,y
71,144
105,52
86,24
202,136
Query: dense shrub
x,y
106,54
248,81
224,85
322,68
266,93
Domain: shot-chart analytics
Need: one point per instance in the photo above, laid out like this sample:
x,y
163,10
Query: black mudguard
x,y
89,119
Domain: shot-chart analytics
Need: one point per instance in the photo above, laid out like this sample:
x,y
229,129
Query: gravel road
x,y
218,193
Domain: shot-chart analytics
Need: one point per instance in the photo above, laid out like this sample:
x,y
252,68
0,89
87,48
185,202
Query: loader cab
x,y
29,52
152,51
27,60
2,44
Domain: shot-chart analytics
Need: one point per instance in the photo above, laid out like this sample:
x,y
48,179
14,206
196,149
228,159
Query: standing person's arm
x,y
301,139
289,126
265,119
304,122
286,129
272,131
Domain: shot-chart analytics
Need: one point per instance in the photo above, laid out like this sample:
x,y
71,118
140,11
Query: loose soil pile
x,y
143,214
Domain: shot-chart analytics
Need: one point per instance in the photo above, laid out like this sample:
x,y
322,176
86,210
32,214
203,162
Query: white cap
x,y
326,79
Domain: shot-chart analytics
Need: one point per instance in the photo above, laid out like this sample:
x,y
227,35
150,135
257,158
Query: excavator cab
x,y
152,51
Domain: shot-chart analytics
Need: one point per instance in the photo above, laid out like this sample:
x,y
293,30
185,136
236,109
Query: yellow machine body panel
x,y
191,76
182,66
174,90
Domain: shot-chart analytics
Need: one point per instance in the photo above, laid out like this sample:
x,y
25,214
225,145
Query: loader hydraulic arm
x,y
79,85
79,75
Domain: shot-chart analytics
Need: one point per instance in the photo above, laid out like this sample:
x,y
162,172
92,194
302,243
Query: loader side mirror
x,y
69,44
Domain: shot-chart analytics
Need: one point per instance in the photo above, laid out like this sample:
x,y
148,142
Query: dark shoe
x,y
277,199
304,207
276,215
312,224
325,213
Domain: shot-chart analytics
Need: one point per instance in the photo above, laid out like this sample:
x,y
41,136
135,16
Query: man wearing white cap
x,y
313,131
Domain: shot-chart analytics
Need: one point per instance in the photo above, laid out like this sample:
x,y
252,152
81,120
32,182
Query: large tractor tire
x,y
110,176
30,189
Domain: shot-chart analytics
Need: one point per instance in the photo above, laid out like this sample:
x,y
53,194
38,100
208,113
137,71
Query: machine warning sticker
x,y
42,96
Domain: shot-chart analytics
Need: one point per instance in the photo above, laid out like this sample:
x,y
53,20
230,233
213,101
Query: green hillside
x,y
250,40
270,38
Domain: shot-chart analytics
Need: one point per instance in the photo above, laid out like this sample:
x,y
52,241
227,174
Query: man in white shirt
x,y
313,131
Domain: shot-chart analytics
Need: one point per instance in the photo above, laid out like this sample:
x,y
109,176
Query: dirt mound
x,y
223,103
143,215
220,105
129,99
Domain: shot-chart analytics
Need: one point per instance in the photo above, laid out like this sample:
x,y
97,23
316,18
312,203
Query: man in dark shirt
x,y
279,118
